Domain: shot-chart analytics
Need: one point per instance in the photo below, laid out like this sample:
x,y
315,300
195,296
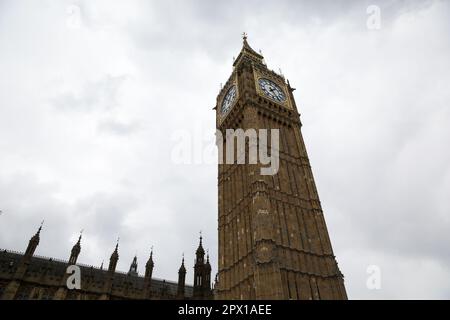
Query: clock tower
x,y
273,240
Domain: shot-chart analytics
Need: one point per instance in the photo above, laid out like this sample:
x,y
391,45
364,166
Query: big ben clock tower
x,y
273,240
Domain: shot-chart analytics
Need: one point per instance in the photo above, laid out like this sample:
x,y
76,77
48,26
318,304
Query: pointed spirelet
x,y
150,260
182,267
200,251
247,51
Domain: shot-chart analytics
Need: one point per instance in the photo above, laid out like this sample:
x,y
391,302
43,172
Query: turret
x,y
133,267
181,280
207,275
148,276
114,259
13,286
34,242
76,249
201,273
149,266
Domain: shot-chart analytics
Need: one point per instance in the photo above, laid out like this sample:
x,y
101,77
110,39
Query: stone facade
x,y
24,276
273,240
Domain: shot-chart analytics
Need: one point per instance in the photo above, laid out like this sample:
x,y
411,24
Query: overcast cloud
x,y
91,93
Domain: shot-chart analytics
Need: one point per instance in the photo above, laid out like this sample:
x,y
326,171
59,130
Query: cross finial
x,y
244,35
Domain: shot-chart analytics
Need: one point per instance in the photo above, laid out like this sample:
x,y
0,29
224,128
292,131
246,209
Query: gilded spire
x,y
248,52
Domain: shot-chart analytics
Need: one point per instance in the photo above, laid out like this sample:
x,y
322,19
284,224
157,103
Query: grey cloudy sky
x,y
93,91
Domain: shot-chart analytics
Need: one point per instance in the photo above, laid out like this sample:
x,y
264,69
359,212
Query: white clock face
x,y
272,90
228,100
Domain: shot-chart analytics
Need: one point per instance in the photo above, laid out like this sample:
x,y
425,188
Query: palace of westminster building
x,y
273,240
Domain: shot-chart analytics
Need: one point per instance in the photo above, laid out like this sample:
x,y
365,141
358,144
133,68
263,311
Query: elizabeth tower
x,y
273,240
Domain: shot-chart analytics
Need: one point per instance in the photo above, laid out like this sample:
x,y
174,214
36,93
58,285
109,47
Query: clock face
x,y
228,100
272,90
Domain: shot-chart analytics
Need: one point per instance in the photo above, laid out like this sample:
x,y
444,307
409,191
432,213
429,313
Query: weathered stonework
x,y
273,240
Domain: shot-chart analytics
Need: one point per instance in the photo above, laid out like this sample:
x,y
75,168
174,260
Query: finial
x,y
201,237
117,243
40,227
244,36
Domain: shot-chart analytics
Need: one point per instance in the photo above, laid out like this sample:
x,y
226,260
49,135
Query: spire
x,y
149,266
133,267
38,231
208,266
248,52
34,241
200,251
115,253
181,280
114,258
78,244
150,260
76,249
182,267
